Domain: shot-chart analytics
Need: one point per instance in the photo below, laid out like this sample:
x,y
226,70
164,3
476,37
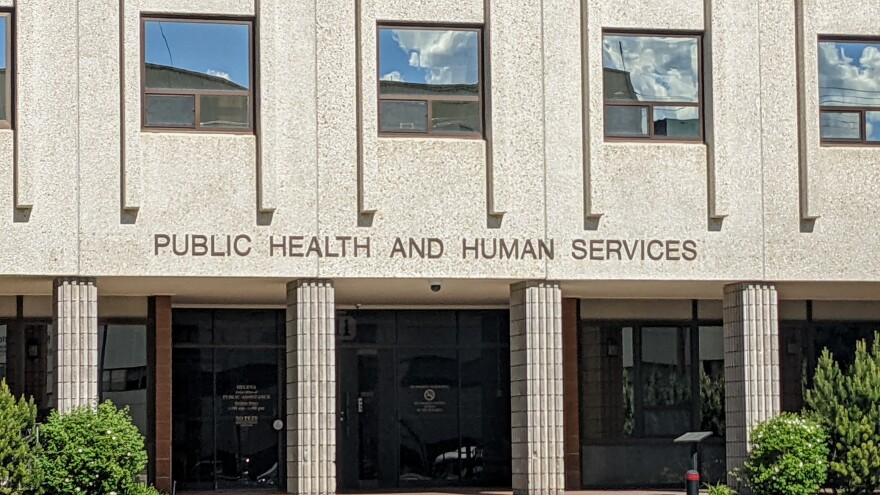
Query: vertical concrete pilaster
x,y
751,363
75,328
536,388
311,387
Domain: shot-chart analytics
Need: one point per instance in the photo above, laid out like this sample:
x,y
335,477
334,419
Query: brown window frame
x,y
198,93
9,81
861,110
428,100
651,136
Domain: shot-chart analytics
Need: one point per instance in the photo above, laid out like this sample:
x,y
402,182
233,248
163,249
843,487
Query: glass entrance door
x,y
358,422
227,414
424,399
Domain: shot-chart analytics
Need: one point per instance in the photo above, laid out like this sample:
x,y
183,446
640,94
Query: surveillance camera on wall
x,y
436,286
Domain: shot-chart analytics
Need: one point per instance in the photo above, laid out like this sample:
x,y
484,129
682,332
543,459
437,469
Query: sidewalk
x,y
457,491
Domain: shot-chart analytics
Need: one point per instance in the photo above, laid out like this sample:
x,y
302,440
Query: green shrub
x,y
97,452
719,489
847,406
789,456
18,466
139,489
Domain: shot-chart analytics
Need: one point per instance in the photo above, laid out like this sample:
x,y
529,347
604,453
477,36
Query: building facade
x,y
321,246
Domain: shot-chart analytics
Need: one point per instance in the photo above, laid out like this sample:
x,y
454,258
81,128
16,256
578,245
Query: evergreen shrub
x,y
19,473
847,406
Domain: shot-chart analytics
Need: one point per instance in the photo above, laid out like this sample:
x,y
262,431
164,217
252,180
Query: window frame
x,y
197,93
861,110
9,80
651,136
428,100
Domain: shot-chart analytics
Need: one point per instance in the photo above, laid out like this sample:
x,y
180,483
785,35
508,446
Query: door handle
x,y
360,404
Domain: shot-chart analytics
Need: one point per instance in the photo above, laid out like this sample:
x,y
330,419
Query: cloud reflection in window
x,y
659,68
429,56
849,74
849,91
429,81
651,84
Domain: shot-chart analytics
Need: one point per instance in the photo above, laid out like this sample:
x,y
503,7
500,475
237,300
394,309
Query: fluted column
x,y
75,343
751,363
536,388
311,388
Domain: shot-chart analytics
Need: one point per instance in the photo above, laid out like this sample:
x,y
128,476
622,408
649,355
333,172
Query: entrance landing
x,y
456,492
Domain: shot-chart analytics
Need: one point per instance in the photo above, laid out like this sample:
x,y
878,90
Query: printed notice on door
x,y
246,404
429,399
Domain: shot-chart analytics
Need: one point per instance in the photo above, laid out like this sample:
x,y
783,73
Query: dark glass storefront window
x,y
802,346
424,398
427,404
665,381
712,380
123,350
226,375
2,352
639,391
24,354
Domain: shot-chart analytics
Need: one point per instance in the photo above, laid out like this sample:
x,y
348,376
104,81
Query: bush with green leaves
x,y
789,456
19,473
719,489
847,406
140,489
98,452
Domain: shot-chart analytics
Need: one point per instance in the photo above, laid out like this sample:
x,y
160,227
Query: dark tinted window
x,y
248,327
2,352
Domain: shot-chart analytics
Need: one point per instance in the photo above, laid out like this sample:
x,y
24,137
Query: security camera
x,y
436,286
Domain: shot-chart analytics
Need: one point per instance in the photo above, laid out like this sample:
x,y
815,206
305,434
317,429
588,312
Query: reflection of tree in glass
x,y
712,402
665,385
629,415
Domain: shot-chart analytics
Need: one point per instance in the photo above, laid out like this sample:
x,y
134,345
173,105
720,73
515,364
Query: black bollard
x,y
692,482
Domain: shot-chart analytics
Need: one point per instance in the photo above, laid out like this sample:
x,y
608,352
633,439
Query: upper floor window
x,y
849,91
197,75
652,86
430,81
5,70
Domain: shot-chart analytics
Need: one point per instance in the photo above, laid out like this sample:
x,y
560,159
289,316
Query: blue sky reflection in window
x,y
429,57
661,71
429,81
849,77
219,51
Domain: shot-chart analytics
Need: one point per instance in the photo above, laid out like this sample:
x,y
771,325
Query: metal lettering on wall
x,y
428,248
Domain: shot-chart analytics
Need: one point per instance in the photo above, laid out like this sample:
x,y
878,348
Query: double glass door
x,y
424,399
227,415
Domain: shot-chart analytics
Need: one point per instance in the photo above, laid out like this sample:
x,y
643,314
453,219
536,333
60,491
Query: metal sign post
x,y
692,477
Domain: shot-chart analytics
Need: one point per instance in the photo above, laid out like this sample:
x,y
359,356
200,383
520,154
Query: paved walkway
x,y
460,491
